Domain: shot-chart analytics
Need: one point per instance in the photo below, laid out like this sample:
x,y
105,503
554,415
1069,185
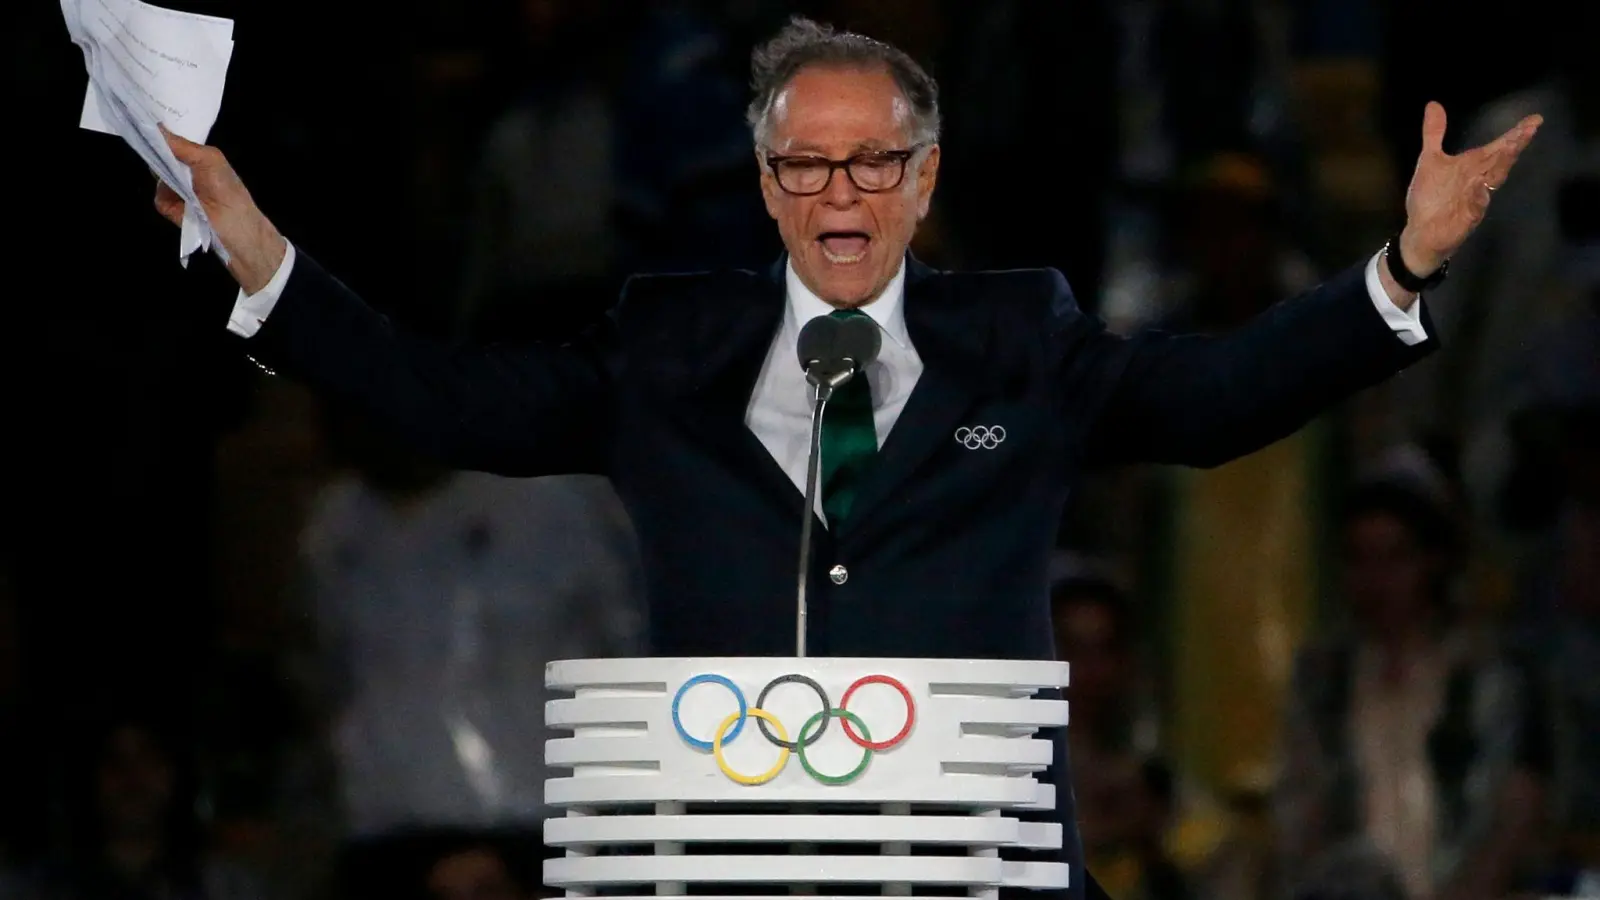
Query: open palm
x,y
1449,194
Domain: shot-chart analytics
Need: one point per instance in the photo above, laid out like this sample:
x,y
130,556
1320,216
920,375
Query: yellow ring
x,y
764,777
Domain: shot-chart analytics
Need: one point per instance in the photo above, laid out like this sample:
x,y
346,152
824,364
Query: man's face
x,y
1086,633
846,243
472,875
1387,575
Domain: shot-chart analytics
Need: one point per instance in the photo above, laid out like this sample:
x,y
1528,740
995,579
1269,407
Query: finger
x,y
169,204
1500,167
188,152
1433,122
170,210
1517,136
1503,153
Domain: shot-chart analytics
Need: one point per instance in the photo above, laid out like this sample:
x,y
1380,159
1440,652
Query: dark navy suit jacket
x,y
946,547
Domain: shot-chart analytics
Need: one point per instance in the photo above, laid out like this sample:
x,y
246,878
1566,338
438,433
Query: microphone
x,y
859,341
832,351
815,346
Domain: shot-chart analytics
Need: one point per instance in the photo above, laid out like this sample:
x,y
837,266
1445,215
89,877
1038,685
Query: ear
x,y
770,192
927,177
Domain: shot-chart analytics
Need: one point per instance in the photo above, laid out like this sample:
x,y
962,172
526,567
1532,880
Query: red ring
x,y
911,712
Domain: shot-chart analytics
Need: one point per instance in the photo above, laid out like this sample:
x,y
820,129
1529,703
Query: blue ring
x,y
708,678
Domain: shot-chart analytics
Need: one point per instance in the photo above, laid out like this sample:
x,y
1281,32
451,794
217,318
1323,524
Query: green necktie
x,y
849,440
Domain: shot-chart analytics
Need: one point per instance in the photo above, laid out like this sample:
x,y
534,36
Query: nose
x,y
840,192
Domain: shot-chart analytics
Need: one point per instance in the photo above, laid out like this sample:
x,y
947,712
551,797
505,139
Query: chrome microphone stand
x,y
825,384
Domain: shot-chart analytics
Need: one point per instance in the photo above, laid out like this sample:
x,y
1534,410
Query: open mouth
x,y
843,248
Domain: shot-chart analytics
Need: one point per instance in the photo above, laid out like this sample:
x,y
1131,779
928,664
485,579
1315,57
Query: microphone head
x,y
817,340
858,341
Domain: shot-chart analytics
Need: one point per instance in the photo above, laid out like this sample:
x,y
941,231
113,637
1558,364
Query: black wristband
x,y
1408,280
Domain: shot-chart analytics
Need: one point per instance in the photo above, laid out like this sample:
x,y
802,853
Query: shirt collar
x,y
888,310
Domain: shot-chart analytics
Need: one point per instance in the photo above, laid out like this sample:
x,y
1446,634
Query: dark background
x,y
356,127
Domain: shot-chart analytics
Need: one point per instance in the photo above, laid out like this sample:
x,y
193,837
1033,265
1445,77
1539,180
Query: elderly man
x,y
934,543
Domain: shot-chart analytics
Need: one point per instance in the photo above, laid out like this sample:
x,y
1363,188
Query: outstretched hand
x,y
1449,195
255,248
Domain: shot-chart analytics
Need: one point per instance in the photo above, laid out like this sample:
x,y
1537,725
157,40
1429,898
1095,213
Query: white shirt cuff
x,y
250,311
1406,323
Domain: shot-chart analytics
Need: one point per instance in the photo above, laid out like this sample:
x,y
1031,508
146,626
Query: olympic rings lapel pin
x,y
732,726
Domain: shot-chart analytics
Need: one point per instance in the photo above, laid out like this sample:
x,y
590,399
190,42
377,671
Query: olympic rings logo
x,y
810,732
987,437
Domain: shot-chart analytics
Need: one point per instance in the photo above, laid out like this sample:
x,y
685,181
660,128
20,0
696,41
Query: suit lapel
x,y
951,335
732,337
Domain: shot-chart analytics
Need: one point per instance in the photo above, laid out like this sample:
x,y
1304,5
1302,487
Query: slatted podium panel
x,y
774,777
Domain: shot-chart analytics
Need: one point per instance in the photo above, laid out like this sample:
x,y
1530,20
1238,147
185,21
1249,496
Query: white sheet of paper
x,y
91,118
150,65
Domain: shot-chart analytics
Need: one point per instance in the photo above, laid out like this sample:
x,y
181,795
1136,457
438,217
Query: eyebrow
x,y
869,146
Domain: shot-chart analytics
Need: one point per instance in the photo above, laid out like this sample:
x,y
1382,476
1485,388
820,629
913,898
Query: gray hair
x,y
804,42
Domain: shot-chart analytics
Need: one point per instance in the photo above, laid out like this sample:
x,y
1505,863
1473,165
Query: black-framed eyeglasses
x,y
872,172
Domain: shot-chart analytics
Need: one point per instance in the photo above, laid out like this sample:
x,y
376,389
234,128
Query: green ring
x,y
817,719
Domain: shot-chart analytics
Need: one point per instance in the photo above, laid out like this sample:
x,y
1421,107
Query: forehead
x,y
1086,620
471,866
838,110
1379,527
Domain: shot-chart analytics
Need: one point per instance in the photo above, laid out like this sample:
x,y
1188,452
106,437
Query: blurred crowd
x,y
251,648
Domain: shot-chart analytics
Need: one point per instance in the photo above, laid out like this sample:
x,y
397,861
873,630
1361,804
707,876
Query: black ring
x,y
795,678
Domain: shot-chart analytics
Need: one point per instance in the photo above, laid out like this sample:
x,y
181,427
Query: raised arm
x,y
1202,400
1205,400
535,409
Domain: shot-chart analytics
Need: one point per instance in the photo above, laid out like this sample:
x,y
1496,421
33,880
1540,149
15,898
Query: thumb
x,y
1433,122
188,152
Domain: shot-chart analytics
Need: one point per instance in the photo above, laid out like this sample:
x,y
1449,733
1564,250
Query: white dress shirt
x,y
780,406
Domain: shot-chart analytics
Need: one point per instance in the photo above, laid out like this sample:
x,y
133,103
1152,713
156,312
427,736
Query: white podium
x,y
774,776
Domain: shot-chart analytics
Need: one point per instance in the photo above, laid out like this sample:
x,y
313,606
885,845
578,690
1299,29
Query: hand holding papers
x,y
148,66
255,248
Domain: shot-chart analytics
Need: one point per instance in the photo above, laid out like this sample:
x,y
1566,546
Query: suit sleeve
x,y
1202,400
535,409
